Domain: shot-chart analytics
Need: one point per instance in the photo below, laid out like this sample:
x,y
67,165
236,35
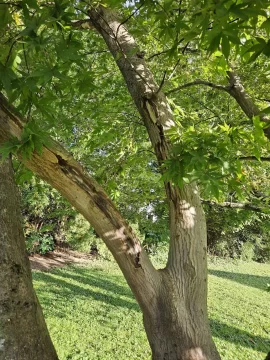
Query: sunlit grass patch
x,y
91,313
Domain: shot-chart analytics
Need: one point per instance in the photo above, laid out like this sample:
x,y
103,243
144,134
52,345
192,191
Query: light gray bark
x,y
23,332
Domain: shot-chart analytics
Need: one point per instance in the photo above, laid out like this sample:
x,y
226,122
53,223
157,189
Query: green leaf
x,y
266,49
7,75
266,25
214,44
5,16
266,110
32,3
225,46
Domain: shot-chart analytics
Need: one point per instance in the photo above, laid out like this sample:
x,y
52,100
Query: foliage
x,y
37,72
238,234
65,84
74,296
46,214
39,243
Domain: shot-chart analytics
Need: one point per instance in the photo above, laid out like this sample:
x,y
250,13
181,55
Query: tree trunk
x,y
177,326
23,332
175,319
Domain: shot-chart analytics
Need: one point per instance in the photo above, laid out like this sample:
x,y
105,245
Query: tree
x,y
173,300
23,332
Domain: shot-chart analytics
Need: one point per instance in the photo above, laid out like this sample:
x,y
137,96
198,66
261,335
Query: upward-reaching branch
x,y
237,91
156,113
150,102
245,101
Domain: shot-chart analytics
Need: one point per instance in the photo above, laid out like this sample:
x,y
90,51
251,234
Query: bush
x,y
39,243
247,253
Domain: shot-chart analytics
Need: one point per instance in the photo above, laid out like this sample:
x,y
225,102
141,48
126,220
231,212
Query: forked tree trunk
x,y
173,300
177,325
23,332
176,319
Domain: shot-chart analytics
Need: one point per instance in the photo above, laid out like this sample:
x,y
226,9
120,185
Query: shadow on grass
x,y
237,336
62,287
256,281
99,280
66,287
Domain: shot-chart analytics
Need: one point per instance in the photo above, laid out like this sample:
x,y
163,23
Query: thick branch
x,y
231,205
246,103
150,102
56,166
199,82
237,91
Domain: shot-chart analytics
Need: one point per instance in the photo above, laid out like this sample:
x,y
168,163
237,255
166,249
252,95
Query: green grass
x,y
91,313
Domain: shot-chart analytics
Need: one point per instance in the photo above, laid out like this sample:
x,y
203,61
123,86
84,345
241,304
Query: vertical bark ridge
x,y
23,332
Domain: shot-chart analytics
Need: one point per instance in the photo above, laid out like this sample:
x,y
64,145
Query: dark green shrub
x,y
39,243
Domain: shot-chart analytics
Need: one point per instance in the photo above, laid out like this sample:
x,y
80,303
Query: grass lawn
x,y
91,313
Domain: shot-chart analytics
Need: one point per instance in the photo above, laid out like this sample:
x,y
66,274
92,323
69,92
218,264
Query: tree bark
x,y
23,332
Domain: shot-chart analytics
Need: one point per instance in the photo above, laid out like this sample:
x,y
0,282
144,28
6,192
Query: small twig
x,y
162,82
129,17
95,52
185,47
12,4
174,69
10,51
231,205
157,54
200,82
204,106
263,99
25,59
262,158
